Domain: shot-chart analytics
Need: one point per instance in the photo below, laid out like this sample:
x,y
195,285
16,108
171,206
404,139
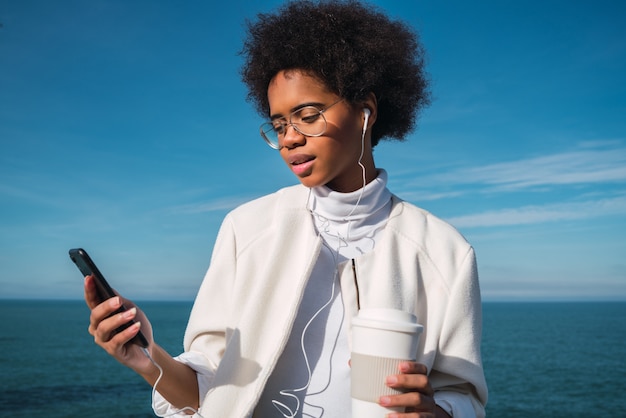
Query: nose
x,y
293,138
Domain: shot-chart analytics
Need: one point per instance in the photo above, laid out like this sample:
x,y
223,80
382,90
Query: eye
x,y
279,126
308,114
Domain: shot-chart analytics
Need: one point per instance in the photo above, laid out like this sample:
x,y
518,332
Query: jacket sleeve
x,y
208,322
204,375
457,375
206,333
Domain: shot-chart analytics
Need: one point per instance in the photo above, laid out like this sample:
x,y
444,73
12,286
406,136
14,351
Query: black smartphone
x,y
88,268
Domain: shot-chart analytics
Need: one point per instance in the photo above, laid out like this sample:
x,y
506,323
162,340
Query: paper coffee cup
x,y
381,340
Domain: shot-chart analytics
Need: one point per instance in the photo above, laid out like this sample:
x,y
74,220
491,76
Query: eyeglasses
x,y
308,120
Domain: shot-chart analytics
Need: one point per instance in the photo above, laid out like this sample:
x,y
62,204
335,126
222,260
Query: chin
x,y
310,183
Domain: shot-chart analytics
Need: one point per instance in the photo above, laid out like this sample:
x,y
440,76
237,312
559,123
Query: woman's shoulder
x,y
290,197
260,212
418,225
431,239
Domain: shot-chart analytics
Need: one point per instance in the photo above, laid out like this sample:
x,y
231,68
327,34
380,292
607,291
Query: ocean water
x,y
541,360
555,359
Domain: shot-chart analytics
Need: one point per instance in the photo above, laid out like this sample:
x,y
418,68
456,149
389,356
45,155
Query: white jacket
x,y
263,256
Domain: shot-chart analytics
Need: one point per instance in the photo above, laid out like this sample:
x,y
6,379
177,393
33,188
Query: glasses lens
x,y
308,121
270,135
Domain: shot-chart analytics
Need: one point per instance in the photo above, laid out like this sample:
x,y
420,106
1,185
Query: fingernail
x,y
385,400
130,313
114,302
391,380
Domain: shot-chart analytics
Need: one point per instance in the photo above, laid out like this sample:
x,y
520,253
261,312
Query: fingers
x,y
101,311
413,377
104,321
413,402
91,295
412,367
418,397
117,344
113,328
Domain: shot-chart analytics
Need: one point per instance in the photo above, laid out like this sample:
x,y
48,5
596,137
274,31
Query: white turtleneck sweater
x,y
312,376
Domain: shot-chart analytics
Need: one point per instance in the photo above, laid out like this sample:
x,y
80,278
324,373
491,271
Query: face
x,y
332,158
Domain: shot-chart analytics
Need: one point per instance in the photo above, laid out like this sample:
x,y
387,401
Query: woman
x,y
269,331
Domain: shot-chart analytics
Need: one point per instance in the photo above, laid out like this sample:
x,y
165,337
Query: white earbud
x,y
366,113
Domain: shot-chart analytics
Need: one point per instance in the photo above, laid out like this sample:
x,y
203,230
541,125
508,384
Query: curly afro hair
x,y
352,48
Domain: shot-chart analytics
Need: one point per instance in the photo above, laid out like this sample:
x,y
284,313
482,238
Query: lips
x,y
300,159
300,163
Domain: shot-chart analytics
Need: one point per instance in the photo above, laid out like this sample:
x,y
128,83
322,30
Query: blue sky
x,y
124,129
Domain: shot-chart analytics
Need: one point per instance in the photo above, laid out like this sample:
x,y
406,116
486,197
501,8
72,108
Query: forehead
x,y
289,89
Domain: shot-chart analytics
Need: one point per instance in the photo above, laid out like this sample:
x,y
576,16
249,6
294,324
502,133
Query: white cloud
x,y
591,163
421,196
547,213
581,167
215,205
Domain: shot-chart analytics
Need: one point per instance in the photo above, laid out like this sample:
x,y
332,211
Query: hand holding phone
x,y
88,268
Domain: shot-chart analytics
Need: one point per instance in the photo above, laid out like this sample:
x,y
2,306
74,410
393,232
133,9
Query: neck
x,y
357,179
348,222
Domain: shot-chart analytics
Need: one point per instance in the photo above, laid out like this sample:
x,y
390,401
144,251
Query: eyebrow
x,y
295,109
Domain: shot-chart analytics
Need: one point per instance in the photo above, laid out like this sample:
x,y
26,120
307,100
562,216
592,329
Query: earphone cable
x,y
154,389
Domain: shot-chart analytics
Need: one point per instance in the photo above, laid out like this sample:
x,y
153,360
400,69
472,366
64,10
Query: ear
x,y
370,104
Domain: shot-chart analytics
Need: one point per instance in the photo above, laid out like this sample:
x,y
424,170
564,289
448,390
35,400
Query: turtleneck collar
x,y
353,215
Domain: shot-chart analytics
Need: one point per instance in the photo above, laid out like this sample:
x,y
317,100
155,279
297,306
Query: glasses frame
x,y
286,121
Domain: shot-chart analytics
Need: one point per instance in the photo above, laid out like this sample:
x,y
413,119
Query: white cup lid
x,y
390,319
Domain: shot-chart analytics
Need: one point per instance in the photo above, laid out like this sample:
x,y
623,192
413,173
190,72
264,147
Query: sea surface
x,y
541,360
